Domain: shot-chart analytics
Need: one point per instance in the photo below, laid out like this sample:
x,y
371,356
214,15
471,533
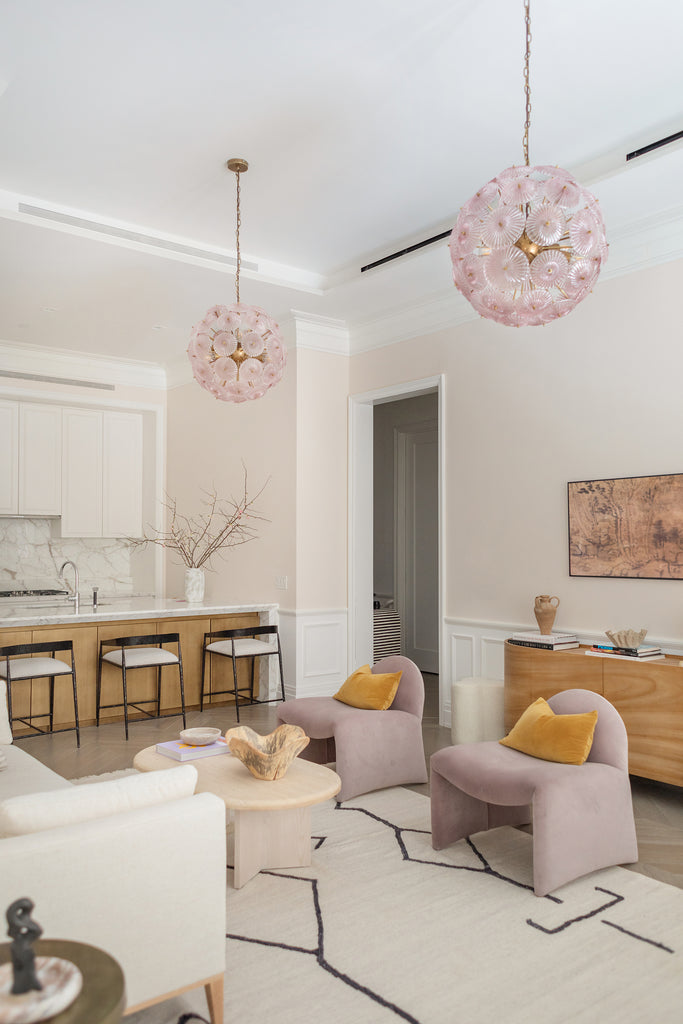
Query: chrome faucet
x,y
75,596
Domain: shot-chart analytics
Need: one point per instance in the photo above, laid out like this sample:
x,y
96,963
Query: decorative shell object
x,y
626,637
267,757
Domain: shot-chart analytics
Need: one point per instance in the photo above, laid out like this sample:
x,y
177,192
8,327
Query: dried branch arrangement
x,y
196,539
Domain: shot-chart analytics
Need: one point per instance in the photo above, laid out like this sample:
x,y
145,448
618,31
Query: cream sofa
x,y
135,866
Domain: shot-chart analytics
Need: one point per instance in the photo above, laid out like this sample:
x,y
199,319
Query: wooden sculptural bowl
x,y
267,757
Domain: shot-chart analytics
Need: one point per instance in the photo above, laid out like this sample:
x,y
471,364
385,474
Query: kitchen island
x,y
22,623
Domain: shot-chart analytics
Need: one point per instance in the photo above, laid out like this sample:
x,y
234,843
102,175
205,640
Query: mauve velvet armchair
x,y
582,814
372,749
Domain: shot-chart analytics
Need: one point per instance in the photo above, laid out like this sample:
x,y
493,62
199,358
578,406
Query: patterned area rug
x,y
383,929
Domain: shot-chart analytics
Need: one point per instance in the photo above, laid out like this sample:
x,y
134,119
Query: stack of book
x,y
644,653
186,752
546,641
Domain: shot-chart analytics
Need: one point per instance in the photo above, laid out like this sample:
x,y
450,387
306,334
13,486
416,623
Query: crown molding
x,y
77,368
443,310
319,333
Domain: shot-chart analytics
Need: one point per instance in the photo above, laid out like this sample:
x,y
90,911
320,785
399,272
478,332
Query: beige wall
x,y
597,394
321,509
208,440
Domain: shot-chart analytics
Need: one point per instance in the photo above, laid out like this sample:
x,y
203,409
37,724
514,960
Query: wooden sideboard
x,y
86,637
647,695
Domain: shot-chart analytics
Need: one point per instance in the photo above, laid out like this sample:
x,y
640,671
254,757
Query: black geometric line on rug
x,y
319,951
488,870
594,913
398,831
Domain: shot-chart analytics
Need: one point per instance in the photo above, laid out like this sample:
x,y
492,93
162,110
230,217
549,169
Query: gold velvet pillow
x,y
541,733
368,690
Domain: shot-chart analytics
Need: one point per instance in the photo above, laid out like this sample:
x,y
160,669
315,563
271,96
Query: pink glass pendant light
x,y
529,246
236,351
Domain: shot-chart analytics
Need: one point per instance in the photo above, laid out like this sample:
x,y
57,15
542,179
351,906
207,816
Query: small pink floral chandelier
x,y
529,246
236,351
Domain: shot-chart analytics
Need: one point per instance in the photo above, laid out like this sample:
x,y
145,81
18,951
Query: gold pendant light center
x,y
529,248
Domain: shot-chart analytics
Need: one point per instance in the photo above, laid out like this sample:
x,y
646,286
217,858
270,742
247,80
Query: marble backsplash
x,y
32,553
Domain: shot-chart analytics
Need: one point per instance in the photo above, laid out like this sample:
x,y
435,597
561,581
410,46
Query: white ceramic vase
x,y
194,586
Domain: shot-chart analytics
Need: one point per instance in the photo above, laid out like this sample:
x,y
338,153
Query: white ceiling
x,y
366,123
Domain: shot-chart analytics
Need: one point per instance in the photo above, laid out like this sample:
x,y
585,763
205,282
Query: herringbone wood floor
x,y
658,808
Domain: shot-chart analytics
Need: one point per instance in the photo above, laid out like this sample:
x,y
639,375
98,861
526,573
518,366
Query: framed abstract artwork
x,y
630,527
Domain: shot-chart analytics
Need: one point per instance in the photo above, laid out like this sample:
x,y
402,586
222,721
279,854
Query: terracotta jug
x,y
545,611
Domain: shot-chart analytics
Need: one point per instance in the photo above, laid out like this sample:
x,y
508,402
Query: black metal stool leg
x,y
125,692
52,702
251,689
201,692
282,674
9,700
158,690
234,679
98,689
182,688
78,726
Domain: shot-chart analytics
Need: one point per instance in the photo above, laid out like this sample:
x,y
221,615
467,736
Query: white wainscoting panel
x,y
315,651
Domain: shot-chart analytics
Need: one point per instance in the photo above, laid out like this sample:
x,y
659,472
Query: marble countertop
x,y
118,608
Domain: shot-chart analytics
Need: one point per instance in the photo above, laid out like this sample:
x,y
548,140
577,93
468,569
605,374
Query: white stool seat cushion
x,y
243,648
32,668
137,657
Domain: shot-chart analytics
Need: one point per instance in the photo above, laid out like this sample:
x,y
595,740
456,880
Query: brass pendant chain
x,y
527,91
239,222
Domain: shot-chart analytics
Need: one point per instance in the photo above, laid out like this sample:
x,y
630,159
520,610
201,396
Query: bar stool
x,y
140,652
241,643
13,669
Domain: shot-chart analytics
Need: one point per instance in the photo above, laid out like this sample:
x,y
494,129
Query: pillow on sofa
x,y
541,733
35,812
371,691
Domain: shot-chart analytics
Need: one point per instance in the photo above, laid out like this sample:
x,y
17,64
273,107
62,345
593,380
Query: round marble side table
x,y
102,999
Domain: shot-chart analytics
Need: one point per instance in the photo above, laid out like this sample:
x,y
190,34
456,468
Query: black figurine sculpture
x,y
23,931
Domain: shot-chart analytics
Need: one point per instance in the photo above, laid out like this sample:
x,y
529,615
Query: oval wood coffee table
x,y
272,820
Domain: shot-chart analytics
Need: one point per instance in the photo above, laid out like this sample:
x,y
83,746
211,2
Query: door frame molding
x,y
403,437
360,527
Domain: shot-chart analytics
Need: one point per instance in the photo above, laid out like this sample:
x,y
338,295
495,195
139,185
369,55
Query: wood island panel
x,y
86,638
647,695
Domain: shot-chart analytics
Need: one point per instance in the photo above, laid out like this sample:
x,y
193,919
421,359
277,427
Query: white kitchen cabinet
x,y
82,473
122,475
9,458
102,474
40,459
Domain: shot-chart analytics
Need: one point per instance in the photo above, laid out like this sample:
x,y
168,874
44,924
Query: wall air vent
x,y
57,380
133,236
654,145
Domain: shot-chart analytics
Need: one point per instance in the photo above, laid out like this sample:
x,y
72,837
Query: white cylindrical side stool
x,y
477,710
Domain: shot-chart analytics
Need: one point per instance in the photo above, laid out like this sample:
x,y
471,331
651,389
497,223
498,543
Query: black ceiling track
x,y
404,252
654,145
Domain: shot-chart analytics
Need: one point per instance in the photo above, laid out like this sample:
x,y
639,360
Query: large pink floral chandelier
x,y
529,246
236,351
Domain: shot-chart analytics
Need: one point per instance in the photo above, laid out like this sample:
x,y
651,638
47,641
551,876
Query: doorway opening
x,y
396,525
